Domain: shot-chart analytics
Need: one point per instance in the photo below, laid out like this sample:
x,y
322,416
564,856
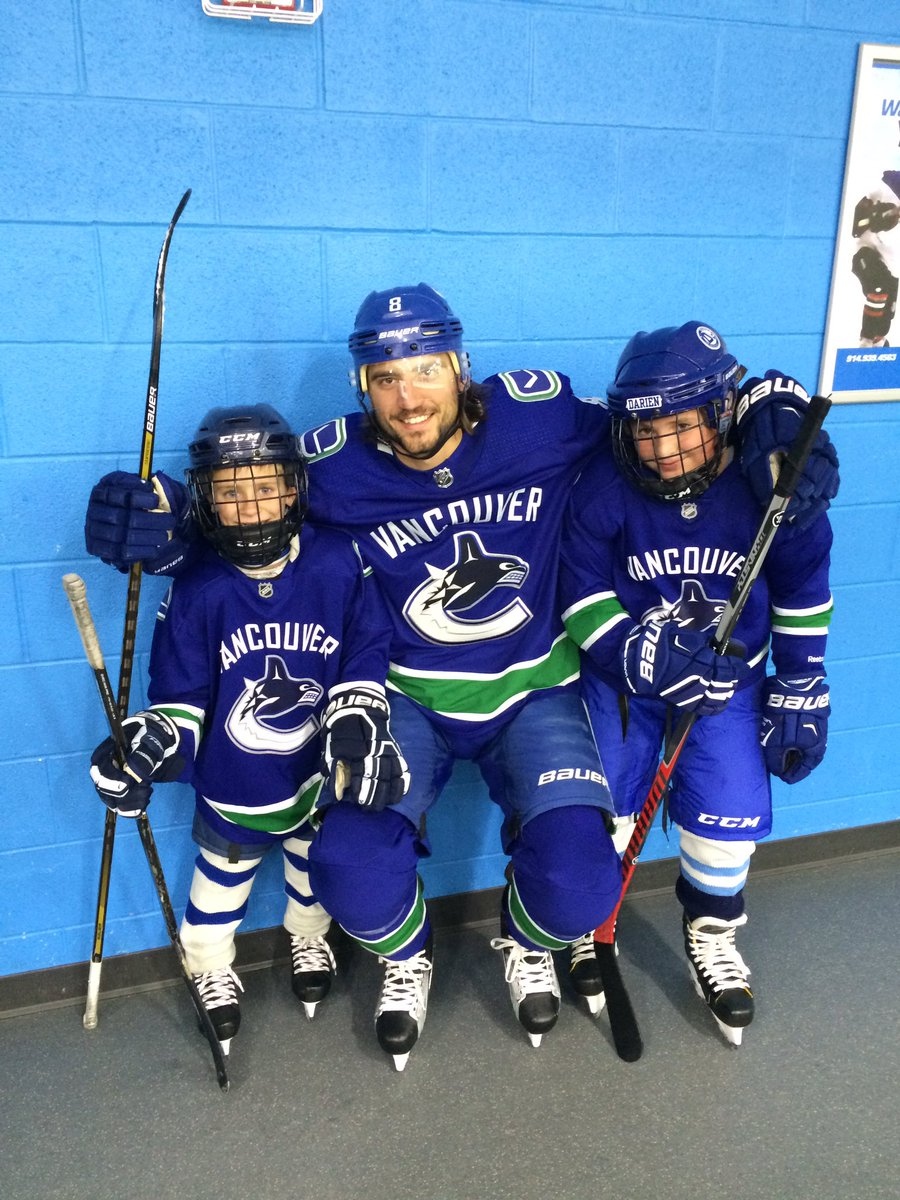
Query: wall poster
x,y
861,355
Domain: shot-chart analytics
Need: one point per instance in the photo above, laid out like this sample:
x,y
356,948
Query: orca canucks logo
x,y
265,719
692,610
468,586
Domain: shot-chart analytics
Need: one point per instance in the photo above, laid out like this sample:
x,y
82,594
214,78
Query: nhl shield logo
x,y
443,477
266,589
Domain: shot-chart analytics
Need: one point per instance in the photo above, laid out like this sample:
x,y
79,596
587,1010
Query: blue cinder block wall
x,y
565,172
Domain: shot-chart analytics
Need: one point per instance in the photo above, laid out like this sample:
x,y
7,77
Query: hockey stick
x,y
131,612
146,459
626,1035
77,595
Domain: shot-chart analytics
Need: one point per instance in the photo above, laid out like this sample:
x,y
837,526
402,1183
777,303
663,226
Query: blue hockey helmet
x,y
404,322
665,372
255,436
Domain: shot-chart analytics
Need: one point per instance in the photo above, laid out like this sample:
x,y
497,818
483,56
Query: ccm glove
x,y
358,739
794,730
152,741
680,667
127,521
767,420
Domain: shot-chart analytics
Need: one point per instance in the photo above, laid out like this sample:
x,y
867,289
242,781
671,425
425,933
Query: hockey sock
x,y
713,874
217,905
362,869
303,915
566,877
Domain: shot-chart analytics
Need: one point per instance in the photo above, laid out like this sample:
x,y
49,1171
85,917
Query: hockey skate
x,y
219,992
533,986
584,971
313,968
403,1003
719,973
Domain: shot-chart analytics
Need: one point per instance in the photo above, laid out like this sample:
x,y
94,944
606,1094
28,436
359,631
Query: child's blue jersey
x,y
244,667
630,557
467,554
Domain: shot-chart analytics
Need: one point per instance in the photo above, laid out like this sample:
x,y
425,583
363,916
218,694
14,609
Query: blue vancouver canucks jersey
x,y
244,667
630,557
467,555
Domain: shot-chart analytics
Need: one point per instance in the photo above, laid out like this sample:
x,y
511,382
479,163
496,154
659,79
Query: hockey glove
x,y
680,667
152,739
767,420
127,522
794,732
358,735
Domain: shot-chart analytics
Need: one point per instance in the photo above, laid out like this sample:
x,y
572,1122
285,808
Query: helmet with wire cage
x,y
247,482
664,373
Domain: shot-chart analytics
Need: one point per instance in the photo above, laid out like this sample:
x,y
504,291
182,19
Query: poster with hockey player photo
x,y
861,357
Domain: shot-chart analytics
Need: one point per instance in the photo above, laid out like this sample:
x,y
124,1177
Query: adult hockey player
x,y
876,261
653,544
455,492
263,631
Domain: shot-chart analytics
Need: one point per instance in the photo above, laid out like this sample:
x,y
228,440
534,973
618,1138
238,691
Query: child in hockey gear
x,y
456,493
653,544
250,644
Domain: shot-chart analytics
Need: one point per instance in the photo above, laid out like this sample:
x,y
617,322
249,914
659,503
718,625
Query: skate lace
x,y
218,987
582,951
530,970
715,954
312,954
405,984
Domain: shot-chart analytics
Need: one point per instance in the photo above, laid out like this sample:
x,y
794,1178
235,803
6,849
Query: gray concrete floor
x,y
806,1108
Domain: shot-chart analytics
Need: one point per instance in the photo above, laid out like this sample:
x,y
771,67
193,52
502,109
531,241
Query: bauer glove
x,y
794,732
128,520
358,741
767,420
680,667
151,739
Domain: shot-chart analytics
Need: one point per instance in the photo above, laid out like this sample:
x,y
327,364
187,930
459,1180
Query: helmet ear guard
x,y
246,437
663,373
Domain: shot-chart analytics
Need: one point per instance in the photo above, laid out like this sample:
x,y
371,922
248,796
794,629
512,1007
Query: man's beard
x,y
397,443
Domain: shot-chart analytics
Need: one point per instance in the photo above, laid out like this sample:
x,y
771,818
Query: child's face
x,y
251,495
676,444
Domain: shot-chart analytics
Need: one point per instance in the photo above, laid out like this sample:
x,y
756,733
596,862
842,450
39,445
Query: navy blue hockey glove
x,y
361,757
125,522
152,739
680,667
767,420
794,732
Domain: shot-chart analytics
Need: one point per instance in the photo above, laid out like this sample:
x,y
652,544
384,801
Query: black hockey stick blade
x,y
206,1025
622,1020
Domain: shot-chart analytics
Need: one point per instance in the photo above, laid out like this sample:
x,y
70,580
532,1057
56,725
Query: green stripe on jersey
x,y
278,821
806,620
587,621
472,697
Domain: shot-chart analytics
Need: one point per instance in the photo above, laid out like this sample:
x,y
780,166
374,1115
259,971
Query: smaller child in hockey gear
x,y
653,545
270,637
